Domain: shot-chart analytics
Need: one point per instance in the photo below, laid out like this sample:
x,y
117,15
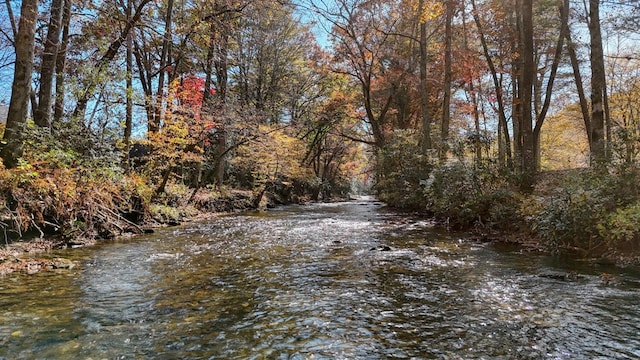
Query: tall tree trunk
x,y
446,102
128,122
497,83
474,97
11,147
208,79
222,77
61,61
528,73
208,101
154,126
11,18
424,89
564,28
217,55
516,84
598,155
42,114
145,75
476,122
607,117
584,105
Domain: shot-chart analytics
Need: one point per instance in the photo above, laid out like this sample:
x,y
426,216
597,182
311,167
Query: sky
x,y
320,26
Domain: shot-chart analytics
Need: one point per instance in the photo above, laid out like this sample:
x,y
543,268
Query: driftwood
x,y
138,229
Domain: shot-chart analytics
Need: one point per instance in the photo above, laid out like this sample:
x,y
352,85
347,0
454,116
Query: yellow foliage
x,y
563,141
355,164
430,10
625,117
273,155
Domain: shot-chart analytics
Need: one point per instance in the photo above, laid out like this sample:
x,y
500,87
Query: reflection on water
x,y
324,281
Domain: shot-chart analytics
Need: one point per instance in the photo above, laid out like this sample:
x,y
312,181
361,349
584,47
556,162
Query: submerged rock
x,y
570,276
62,263
610,279
381,248
34,265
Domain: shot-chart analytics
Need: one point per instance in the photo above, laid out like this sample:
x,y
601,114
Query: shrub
x,y
76,202
70,144
621,230
170,214
571,217
472,196
401,169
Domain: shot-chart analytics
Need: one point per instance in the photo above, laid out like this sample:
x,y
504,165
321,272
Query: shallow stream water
x,y
348,280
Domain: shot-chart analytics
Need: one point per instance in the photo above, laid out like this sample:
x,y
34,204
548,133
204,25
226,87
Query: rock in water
x,y
62,263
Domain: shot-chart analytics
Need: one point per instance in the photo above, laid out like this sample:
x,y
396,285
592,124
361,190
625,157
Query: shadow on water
x,y
324,281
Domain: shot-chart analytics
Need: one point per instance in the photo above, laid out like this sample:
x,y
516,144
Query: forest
x,y
516,120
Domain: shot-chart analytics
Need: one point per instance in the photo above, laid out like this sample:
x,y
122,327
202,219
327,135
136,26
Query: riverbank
x,y
26,251
578,212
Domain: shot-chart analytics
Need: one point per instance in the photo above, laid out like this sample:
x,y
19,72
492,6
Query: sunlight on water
x,y
324,281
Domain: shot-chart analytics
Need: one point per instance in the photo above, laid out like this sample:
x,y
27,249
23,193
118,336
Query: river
x,y
349,280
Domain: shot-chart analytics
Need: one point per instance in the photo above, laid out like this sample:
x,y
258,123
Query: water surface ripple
x,y
325,281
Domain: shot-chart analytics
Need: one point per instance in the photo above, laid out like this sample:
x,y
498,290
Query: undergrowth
x,y
73,202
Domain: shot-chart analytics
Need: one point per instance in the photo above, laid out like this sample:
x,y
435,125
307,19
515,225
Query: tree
x,y
217,60
12,144
529,58
273,156
472,70
128,123
181,139
328,152
625,110
100,65
271,47
528,164
541,110
360,34
584,106
446,101
154,123
598,85
61,62
504,142
424,88
42,113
